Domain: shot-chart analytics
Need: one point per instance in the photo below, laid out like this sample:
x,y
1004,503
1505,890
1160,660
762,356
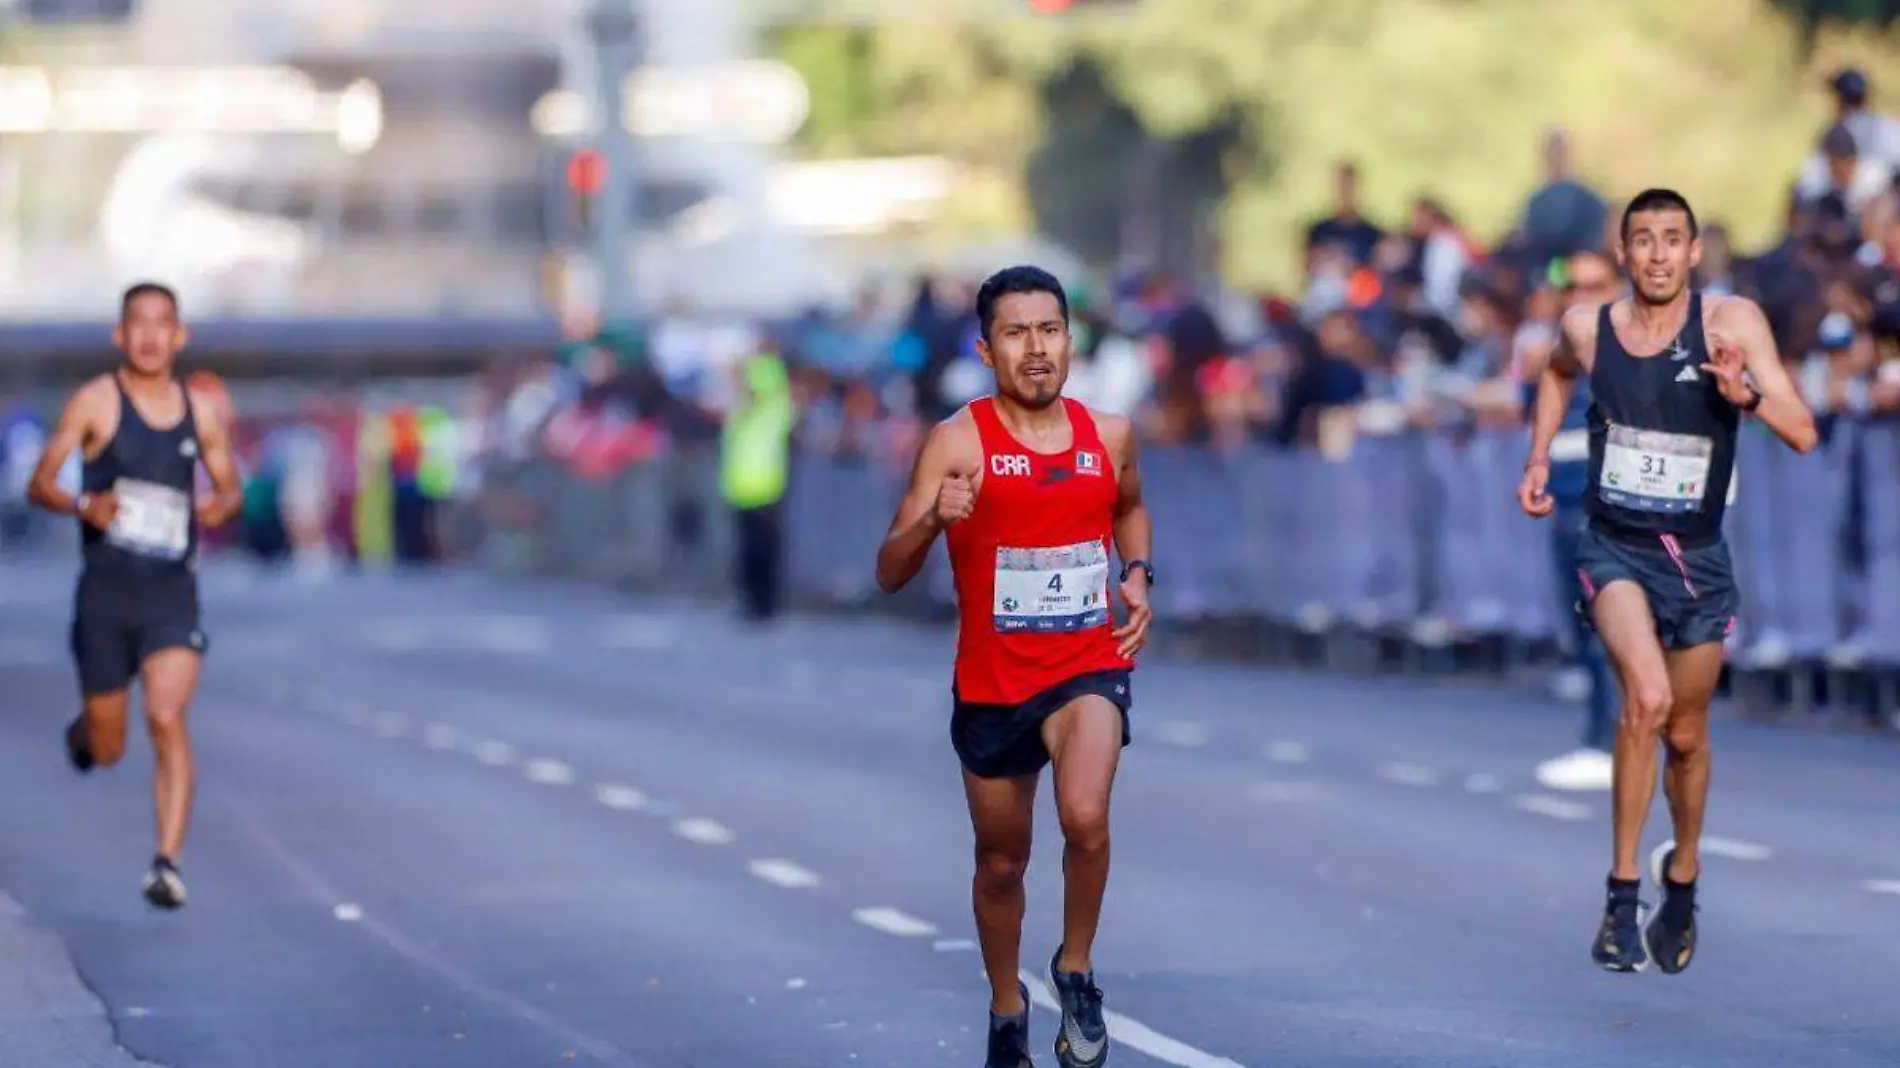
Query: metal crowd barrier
x,y
1406,552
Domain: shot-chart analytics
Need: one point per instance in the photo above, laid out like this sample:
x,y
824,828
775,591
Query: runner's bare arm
x,y
1558,381
74,431
945,455
227,496
1134,532
1741,339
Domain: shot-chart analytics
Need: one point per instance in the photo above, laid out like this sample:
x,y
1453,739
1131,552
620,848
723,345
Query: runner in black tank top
x,y
1667,381
135,612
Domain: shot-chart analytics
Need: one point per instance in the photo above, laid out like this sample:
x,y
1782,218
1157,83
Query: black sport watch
x,y
1129,569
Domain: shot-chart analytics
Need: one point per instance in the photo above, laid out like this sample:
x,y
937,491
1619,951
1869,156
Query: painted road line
x,y
895,922
783,873
1409,774
1288,753
440,736
1882,886
1555,807
1734,848
620,798
704,831
1180,733
495,754
1133,1033
549,772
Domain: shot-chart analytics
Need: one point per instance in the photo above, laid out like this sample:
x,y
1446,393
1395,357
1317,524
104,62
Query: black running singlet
x,y
153,474
1662,437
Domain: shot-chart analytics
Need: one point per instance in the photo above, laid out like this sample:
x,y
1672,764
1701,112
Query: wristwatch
x,y
1754,400
81,503
1129,569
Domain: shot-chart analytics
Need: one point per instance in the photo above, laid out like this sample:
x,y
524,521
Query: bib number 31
x,y
1652,471
152,521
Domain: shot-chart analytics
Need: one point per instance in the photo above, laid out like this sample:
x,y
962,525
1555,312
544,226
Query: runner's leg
x,y
1623,619
1002,813
169,679
1084,739
1693,675
102,726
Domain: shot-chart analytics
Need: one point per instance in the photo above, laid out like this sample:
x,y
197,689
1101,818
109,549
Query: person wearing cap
x,y
1871,140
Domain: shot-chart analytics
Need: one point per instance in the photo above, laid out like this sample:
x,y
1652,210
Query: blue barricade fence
x,y
1404,551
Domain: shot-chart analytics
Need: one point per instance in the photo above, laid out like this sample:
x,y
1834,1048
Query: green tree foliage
x,y
1252,102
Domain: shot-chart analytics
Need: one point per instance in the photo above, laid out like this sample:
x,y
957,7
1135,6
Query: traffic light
x,y
586,174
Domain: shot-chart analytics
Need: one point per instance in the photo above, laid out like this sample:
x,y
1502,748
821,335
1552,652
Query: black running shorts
x,y
117,625
1005,741
1691,591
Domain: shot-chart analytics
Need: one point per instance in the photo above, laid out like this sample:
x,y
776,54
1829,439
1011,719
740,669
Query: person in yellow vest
x,y
755,466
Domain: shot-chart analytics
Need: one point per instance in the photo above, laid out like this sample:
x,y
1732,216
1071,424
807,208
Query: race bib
x,y
1653,471
1051,591
152,521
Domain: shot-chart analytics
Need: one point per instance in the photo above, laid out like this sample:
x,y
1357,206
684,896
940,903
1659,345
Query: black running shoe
x,y
1670,936
1082,1041
1619,942
164,888
1009,1038
78,750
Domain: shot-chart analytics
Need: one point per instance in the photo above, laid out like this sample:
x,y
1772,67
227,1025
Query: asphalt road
x,y
446,820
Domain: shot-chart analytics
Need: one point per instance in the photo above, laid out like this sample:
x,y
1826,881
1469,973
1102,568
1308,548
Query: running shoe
x,y
78,751
164,887
1009,1038
1083,1040
1619,942
1670,936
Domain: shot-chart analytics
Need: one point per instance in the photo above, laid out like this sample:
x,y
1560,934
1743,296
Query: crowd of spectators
x,y
1416,318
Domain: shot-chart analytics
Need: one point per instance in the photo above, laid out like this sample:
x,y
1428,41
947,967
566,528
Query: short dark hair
x,y
1659,200
1020,279
142,289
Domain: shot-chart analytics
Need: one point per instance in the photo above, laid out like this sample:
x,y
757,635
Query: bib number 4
x,y
1051,590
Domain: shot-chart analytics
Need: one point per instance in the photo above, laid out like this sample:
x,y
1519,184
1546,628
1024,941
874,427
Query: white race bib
x,y
152,520
1053,590
1654,471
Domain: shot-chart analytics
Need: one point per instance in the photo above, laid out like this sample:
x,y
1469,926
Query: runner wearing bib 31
x,y
1666,368
135,614
1029,489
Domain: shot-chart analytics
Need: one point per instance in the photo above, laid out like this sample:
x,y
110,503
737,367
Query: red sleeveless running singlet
x,y
1032,564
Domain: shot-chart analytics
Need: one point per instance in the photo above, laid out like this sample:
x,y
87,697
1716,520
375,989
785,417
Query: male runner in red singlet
x,y
1029,488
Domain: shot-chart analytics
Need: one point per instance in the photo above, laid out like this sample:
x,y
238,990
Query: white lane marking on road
x,y
704,831
1882,886
794,984
348,912
894,922
1556,808
137,1012
1282,793
515,634
1133,1033
1181,733
1482,784
440,736
785,873
1288,753
550,772
1409,774
391,725
495,754
620,798
638,633
1734,848
953,945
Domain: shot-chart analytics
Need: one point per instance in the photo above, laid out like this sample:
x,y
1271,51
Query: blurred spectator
x,y
1564,216
1345,228
1876,156
755,466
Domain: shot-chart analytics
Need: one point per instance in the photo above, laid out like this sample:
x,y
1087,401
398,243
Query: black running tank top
x,y
1662,437
153,474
